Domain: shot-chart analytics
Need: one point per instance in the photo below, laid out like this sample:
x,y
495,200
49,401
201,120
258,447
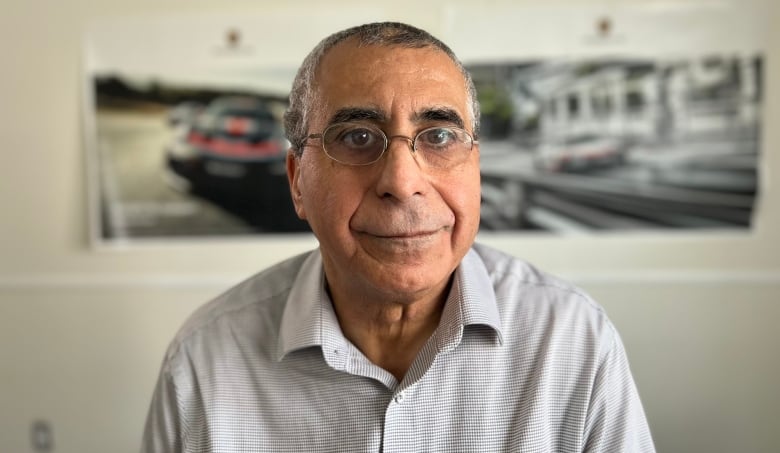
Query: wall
x,y
82,331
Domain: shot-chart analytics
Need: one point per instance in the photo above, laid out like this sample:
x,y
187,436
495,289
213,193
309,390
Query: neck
x,y
389,333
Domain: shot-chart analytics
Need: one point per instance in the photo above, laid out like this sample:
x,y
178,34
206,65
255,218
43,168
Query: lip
x,y
405,235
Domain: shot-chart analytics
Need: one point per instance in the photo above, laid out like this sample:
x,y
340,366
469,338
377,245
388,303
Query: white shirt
x,y
520,362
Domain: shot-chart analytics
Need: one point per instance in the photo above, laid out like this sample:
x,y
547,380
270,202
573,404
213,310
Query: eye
x,y
357,137
353,143
439,137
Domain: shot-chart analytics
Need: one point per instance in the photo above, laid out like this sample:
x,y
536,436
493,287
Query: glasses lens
x,y
443,146
353,143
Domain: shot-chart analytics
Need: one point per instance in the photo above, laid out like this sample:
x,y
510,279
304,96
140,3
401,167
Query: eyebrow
x,y
356,114
435,114
439,114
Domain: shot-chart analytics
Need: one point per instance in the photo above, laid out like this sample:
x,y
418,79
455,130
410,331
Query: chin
x,y
410,283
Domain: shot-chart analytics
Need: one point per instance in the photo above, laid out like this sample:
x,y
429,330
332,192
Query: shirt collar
x,y
301,325
472,301
309,319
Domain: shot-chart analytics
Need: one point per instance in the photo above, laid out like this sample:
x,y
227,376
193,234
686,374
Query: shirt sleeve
x,y
616,420
162,432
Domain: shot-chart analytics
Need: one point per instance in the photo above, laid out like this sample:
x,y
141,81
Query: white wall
x,y
82,331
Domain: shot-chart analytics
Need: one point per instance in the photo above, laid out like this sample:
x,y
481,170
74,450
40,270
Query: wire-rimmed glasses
x,y
354,143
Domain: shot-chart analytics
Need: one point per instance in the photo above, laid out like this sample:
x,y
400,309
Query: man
x,y
398,333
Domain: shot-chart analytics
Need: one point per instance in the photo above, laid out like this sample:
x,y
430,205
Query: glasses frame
x,y
387,139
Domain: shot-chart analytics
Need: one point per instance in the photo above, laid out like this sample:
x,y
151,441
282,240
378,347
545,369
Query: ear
x,y
293,177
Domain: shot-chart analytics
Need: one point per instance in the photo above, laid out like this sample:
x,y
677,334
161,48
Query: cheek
x,y
464,191
465,199
470,205
327,199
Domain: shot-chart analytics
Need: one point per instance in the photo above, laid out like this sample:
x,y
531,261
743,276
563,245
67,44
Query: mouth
x,y
410,228
404,235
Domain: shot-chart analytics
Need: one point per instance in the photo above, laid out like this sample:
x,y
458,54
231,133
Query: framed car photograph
x,y
589,121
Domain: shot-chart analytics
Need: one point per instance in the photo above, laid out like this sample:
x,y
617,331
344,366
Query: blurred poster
x,y
641,118
594,119
183,122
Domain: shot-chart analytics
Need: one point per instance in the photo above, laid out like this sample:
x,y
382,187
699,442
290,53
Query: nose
x,y
401,175
402,137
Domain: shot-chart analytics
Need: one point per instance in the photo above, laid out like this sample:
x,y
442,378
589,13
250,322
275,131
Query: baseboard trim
x,y
222,281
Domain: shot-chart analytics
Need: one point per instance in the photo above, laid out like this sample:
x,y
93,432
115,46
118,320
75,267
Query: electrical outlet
x,y
41,436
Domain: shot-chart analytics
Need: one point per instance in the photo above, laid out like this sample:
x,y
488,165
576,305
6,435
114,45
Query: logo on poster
x,y
603,32
233,44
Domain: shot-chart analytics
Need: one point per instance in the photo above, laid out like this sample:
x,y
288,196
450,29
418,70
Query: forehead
x,y
397,81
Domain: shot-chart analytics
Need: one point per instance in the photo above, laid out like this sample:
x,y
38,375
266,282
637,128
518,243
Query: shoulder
x,y
505,269
261,296
536,302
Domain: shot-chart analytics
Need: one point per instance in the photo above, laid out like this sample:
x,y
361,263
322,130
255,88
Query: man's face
x,y
396,228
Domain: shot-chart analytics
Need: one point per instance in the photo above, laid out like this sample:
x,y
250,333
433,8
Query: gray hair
x,y
302,95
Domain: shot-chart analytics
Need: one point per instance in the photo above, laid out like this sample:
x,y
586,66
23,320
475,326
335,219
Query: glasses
x,y
363,144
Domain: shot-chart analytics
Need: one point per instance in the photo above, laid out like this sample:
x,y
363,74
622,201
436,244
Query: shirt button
x,y
399,398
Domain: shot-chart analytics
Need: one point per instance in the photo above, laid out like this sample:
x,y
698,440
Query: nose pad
x,y
410,141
